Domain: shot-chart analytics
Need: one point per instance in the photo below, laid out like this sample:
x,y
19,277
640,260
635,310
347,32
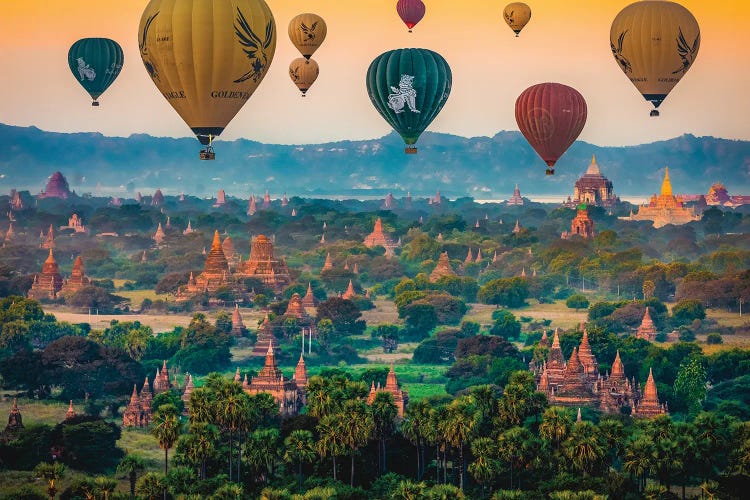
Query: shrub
x,y
714,338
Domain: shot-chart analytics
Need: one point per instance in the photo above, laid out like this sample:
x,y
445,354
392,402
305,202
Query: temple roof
x,y
593,168
666,185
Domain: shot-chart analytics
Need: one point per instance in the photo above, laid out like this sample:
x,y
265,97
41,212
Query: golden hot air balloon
x,y
207,58
517,15
655,43
303,73
307,32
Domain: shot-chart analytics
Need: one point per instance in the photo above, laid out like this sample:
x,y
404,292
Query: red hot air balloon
x,y
410,11
550,116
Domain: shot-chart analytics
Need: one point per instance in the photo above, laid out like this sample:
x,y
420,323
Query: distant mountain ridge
x,y
481,167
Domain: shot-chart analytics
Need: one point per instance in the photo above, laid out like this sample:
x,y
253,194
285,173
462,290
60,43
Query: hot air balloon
x,y
517,15
207,58
307,32
655,43
409,87
95,62
303,73
550,116
410,12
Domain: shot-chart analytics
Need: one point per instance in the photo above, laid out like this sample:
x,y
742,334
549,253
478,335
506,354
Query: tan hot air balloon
x,y
307,32
303,73
517,15
655,43
207,58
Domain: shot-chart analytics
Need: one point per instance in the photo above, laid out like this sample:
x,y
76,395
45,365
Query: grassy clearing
x,y
36,412
140,442
560,315
384,312
422,391
136,296
727,318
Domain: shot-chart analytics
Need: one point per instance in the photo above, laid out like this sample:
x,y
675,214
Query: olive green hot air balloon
x,y
207,58
303,73
409,87
95,63
307,32
517,15
655,43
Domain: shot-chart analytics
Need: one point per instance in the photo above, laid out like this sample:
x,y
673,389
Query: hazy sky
x,y
566,41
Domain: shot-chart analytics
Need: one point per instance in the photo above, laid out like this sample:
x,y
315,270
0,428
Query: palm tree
x,y
229,491
384,414
263,449
485,466
459,428
131,465
414,427
166,429
555,426
356,428
331,441
50,473
408,490
151,486
444,492
517,447
299,448
199,445
584,448
105,486
639,458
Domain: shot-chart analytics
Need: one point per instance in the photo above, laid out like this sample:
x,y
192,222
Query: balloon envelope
x,y
655,43
550,116
303,73
207,70
307,32
409,87
95,62
517,15
410,12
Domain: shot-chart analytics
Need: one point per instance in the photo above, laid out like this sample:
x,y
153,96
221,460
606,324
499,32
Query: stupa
x,y
378,238
266,201
309,299
158,199
49,240
15,421
77,278
75,223
649,405
189,229
665,208
230,253
647,329
265,338
57,187
47,284
443,268
400,397
349,293
221,199
251,206
238,327
516,199
295,308
270,380
215,271
592,188
263,265
159,235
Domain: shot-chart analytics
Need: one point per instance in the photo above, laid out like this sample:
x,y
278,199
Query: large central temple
x,y
592,188
666,208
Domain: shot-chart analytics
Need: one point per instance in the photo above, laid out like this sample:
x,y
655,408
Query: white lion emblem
x,y
403,95
85,70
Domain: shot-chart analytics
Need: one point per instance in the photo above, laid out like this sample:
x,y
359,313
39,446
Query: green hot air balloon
x,y
409,87
95,63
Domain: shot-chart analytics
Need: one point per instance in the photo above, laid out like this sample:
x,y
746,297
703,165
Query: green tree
x,y
639,459
690,384
506,325
686,311
577,301
131,466
299,448
356,427
517,447
166,429
50,473
104,486
331,439
151,486
585,448
458,429
508,292
384,414
485,467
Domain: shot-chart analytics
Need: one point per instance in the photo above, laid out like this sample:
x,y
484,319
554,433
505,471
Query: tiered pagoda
x,y
215,272
516,199
378,238
443,268
328,264
270,380
582,225
47,284
647,330
649,405
233,257
579,382
300,378
221,199
350,293
162,383
158,199
252,206
266,201
238,327
263,265
400,397
49,240
665,208
15,421
77,278
16,203
592,188
189,387
57,187
265,338
159,235
75,223
308,301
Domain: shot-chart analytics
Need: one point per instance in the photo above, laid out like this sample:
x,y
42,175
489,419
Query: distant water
x,y
635,200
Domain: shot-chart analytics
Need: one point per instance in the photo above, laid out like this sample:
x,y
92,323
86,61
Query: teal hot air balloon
x,y
95,63
409,87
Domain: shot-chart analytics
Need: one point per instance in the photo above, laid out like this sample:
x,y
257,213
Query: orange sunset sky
x,y
566,42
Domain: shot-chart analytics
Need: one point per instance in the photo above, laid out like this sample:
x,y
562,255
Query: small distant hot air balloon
x,y
207,58
517,15
95,62
550,116
307,32
409,87
410,12
303,73
655,43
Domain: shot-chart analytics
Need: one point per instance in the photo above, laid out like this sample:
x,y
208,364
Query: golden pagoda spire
x,y
666,185
216,244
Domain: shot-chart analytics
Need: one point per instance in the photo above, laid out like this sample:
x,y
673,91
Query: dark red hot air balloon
x,y
410,11
550,116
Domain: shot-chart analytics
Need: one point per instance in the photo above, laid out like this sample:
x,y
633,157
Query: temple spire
x,y
618,370
666,185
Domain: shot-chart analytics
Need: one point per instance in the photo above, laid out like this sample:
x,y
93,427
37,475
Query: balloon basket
x,y
654,112
550,171
207,154
410,150
95,103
